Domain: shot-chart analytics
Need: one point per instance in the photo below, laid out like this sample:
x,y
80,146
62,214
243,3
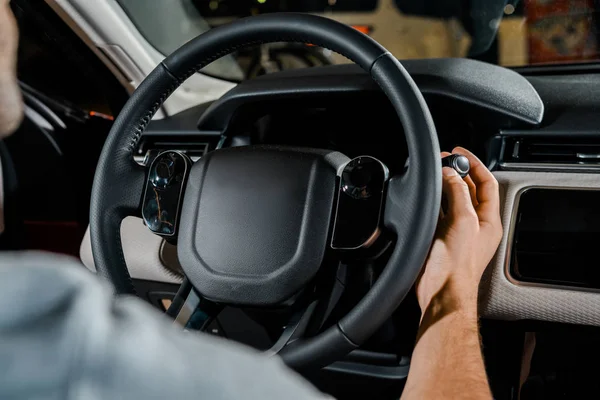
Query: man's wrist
x,y
445,304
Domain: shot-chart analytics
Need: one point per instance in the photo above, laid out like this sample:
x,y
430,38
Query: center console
x,y
556,239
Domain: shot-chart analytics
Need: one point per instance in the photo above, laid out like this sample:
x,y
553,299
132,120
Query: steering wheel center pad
x,y
413,199
257,221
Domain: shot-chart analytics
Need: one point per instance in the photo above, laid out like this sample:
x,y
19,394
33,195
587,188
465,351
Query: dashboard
x,y
534,130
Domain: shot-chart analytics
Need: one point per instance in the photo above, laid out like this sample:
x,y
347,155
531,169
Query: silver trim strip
x,y
191,303
516,148
588,156
221,142
143,159
511,166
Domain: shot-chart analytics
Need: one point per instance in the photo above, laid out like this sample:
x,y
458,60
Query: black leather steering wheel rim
x,y
413,199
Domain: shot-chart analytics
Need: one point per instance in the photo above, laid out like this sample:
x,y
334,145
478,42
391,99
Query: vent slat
x,y
552,150
150,146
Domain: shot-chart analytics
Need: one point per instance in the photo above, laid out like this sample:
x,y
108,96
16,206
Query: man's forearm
x,y
447,360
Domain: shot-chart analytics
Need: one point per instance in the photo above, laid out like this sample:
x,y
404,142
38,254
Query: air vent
x,y
194,146
551,153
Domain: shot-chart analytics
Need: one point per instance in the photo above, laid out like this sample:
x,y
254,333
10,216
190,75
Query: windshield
x,y
503,32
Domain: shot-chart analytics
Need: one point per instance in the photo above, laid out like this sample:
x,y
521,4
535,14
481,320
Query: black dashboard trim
x,y
497,89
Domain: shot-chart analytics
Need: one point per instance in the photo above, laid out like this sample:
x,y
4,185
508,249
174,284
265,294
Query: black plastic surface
x,y
556,238
476,84
373,358
318,351
182,123
256,222
154,292
571,106
394,373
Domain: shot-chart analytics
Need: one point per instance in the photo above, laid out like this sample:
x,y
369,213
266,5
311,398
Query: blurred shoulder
x,y
35,283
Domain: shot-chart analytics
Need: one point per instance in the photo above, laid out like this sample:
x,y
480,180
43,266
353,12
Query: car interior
x,y
92,174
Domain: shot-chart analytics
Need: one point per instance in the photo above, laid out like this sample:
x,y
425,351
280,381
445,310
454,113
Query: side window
x,y
166,25
70,100
54,61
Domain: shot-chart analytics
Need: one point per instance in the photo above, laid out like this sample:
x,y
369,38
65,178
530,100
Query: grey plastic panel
x,y
148,256
505,299
501,298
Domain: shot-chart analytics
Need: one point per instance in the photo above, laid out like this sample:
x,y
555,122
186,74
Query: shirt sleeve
x,y
64,335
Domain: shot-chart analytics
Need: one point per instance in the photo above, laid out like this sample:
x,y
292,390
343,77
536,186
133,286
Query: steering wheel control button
x,y
164,188
458,163
360,197
358,176
164,171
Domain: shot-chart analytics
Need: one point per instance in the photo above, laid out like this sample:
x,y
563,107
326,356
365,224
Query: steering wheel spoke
x,y
295,329
190,310
310,319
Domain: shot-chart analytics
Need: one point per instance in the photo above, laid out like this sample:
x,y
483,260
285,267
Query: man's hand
x,y
467,237
447,362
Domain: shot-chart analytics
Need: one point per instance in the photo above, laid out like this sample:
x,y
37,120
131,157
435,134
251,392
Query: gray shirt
x,y
63,335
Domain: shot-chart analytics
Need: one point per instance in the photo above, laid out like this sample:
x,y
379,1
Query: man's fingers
x,y
468,181
457,193
472,190
487,192
444,206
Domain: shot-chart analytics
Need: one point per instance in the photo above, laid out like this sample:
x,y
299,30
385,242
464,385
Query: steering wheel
x,y
256,222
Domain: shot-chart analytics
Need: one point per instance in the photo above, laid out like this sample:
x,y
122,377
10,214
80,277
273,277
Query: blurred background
x,y
509,33
79,60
